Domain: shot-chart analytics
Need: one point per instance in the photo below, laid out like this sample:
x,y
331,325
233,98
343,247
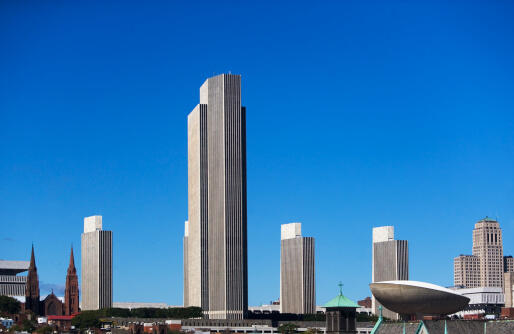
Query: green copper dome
x,y
341,300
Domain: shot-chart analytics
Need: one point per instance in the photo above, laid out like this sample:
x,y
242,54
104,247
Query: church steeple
x,y
32,286
71,293
71,266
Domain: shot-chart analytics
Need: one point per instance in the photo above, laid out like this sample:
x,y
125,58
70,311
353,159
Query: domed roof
x,y
341,300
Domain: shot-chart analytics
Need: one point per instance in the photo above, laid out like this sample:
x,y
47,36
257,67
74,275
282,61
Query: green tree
x,y
287,328
28,325
9,305
87,319
45,330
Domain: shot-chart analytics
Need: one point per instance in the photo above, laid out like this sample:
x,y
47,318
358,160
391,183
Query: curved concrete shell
x,y
412,297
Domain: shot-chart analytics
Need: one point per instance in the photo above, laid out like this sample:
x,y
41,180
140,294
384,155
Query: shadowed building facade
x,y
32,301
215,247
390,262
96,272
297,275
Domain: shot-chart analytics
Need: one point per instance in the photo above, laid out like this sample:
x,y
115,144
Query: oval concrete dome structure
x,y
412,297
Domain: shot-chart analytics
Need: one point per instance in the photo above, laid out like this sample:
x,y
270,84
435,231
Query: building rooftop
x,y
13,267
341,300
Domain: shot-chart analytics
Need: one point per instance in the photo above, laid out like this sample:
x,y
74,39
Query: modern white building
x,y
216,271
96,273
10,283
297,274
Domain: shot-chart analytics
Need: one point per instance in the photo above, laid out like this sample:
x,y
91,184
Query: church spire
x,y
32,259
32,286
71,293
71,266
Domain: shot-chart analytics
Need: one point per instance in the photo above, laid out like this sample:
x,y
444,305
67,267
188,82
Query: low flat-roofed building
x,y
132,305
483,301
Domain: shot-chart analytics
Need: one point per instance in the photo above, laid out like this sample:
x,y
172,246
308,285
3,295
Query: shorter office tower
x,y
32,302
508,289
466,271
297,279
96,273
486,265
390,260
508,264
11,284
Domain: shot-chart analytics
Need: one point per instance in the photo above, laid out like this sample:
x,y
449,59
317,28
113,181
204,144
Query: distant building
x,y
466,271
297,277
508,289
96,265
366,302
131,305
390,262
11,284
485,267
32,302
508,264
483,301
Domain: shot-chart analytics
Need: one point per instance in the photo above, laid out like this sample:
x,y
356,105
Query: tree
x,y
45,330
9,305
86,319
287,328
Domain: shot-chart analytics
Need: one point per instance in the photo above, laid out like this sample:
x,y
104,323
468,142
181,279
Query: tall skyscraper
x,y
71,292
297,276
96,275
216,270
32,301
390,262
486,266
488,246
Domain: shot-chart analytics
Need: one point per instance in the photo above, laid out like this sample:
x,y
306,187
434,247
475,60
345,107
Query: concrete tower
x,y
32,287
96,282
216,241
71,292
390,262
297,278
488,247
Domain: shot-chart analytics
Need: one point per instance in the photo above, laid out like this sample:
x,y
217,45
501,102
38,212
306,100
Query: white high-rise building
x,y
216,253
297,274
96,273
390,262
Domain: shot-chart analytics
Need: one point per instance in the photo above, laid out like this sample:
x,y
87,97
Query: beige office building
x,y
297,271
390,260
215,247
485,267
466,271
96,273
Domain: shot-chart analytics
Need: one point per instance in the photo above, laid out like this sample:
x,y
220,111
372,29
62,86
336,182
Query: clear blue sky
x,y
359,114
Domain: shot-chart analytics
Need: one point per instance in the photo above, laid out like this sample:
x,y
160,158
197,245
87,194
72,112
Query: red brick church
x,y
51,305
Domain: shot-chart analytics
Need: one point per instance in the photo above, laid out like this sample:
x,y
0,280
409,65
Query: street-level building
x,y
297,272
96,274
